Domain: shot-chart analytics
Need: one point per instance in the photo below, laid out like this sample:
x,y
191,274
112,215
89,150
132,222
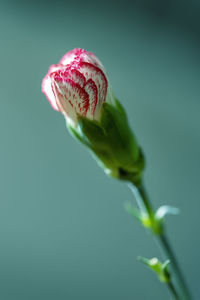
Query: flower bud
x,y
79,89
77,86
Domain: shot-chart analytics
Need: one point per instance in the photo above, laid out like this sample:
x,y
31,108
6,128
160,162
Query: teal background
x,y
63,228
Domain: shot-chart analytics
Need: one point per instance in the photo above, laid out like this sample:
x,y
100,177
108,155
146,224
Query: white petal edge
x,y
47,90
67,58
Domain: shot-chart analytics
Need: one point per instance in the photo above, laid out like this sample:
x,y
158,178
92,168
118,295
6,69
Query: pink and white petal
x,y
92,72
89,57
54,68
75,56
72,98
48,91
65,107
92,92
75,76
95,61
68,58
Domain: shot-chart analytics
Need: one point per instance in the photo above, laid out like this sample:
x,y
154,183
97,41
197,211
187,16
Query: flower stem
x,y
172,290
145,207
169,252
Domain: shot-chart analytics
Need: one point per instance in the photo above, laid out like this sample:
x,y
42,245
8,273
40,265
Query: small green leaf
x,y
165,265
133,211
161,269
166,210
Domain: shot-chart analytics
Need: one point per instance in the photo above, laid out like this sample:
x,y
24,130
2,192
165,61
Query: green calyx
x,y
112,143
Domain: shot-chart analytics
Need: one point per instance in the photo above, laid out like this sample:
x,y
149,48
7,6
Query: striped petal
x,y
75,76
77,85
92,72
72,98
92,92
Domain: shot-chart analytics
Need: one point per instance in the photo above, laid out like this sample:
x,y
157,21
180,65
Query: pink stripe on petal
x,y
77,85
92,72
80,55
92,92
75,76
70,56
72,98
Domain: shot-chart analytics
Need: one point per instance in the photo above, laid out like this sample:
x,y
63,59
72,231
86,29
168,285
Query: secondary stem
x,y
165,245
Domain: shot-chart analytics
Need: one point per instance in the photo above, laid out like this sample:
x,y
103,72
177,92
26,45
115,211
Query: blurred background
x,y
63,228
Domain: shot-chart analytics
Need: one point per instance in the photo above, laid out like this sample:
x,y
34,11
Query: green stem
x,y
146,201
172,290
174,263
146,207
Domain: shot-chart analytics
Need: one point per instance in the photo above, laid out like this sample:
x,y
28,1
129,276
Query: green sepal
x,y
75,134
92,131
118,132
122,141
112,142
98,143
120,107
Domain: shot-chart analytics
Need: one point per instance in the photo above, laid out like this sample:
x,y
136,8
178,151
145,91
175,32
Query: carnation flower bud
x,y
79,89
77,86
